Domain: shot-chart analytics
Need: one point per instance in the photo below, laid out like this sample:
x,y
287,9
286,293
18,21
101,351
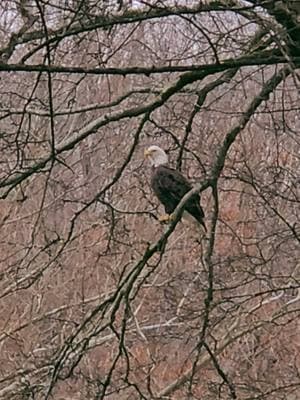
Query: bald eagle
x,y
170,186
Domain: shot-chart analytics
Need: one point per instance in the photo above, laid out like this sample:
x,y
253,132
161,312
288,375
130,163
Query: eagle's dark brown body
x,y
170,186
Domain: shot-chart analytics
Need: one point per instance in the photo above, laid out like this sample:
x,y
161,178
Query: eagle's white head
x,y
156,156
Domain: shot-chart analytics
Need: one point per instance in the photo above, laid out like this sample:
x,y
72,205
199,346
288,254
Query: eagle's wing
x,y
170,186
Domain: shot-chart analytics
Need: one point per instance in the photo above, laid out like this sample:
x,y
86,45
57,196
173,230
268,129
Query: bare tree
x,y
98,299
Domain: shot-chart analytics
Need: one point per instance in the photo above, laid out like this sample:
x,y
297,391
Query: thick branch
x,y
263,58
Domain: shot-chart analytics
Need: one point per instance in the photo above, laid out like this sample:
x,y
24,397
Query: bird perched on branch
x,y
170,186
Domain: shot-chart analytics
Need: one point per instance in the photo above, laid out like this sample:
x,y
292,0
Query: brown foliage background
x,y
97,299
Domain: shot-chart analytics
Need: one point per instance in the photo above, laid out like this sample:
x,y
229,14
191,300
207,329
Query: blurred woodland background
x,y
98,300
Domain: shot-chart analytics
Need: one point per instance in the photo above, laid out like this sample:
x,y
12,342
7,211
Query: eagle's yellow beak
x,y
147,153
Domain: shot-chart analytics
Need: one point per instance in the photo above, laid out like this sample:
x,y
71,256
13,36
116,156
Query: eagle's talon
x,y
165,218
171,217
